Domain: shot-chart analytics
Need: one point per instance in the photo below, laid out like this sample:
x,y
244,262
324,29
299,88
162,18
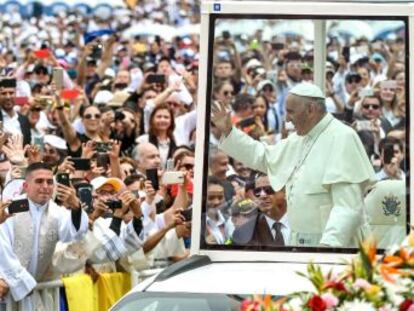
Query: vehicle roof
x,y
242,278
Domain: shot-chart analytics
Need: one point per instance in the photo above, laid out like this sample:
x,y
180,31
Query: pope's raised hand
x,y
221,118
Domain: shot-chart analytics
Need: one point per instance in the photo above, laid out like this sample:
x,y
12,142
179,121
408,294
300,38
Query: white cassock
x,y
325,174
27,243
99,246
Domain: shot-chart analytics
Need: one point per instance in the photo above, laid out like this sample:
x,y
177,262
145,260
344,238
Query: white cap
x,y
55,142
100,181
307,89
109,72
103,97
253,63
263,83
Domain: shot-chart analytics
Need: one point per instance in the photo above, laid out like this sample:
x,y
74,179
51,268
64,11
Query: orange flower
x,y
369,246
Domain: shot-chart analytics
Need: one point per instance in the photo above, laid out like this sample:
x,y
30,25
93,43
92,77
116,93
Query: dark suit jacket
x,y
255,232
24,126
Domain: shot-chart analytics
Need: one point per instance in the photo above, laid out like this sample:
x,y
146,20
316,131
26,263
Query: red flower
x,y
316,303
339,286
406,304
250,305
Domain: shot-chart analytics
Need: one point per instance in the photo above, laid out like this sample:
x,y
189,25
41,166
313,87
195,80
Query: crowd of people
x,y
97,145
98,138
365,88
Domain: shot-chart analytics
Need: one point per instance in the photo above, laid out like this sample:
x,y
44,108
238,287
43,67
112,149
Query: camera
x,y
114,204
97,51
102,147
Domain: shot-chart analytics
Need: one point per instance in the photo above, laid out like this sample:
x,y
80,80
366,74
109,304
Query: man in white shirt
x,y
28,240
269,227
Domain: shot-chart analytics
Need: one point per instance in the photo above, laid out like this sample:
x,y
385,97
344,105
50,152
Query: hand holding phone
x,y
152,175
19,206
81,164
63,178
58,78
187,214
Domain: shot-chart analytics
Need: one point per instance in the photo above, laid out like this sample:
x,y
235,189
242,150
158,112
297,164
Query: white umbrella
x,y
150,29
353,28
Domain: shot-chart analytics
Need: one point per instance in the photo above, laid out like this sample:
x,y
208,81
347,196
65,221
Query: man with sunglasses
x,y
323,167
371,116
268,227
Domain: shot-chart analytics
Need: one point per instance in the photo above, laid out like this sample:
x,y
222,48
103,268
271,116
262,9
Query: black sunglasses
x,y
268,190
90,116
373,107
188,166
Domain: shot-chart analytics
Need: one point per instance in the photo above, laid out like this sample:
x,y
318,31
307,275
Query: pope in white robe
x,y
323,167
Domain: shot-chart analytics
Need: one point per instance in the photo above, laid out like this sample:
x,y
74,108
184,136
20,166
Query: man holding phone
x,y
392,155
27,248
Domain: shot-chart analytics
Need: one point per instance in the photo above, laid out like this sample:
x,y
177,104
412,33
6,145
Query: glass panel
x,y
296,171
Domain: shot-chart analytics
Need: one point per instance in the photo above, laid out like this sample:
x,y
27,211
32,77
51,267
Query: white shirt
x,y
19,279
11,124
284,228
214,227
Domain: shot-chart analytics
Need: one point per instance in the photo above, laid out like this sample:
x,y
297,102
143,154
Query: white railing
x,y
42,290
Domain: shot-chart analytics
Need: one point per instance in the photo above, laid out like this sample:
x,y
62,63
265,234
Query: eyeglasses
x,y
267,190
371,106
188,166
90,116
228,93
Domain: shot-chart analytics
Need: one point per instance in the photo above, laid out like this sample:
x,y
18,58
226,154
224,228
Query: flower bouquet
x,y
367,283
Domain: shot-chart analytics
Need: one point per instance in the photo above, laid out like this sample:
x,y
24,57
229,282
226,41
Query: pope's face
x,y
298,113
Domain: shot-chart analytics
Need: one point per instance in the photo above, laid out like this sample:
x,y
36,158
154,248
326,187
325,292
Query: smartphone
x,y
81,164
152,175
58,78
21,100
172,178
85,196
363,125
366,93
155,79
388,153
187,214
19,206
346,53
246,122
63,179
102,159
114,204
101,146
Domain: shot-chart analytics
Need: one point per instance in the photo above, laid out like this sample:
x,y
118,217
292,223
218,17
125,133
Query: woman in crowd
x,y
161,129
389,101
90,116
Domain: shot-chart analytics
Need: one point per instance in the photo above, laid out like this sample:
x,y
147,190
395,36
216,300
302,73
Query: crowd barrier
x,y
49,292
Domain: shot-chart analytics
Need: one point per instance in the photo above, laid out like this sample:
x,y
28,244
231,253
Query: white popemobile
x,y
220,277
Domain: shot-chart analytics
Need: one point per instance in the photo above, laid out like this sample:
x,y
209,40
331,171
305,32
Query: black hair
x,y
38,166
213,180
129,180
390,141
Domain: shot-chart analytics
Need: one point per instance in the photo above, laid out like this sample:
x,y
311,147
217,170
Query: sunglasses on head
x,y
268,190
371,106
90,116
